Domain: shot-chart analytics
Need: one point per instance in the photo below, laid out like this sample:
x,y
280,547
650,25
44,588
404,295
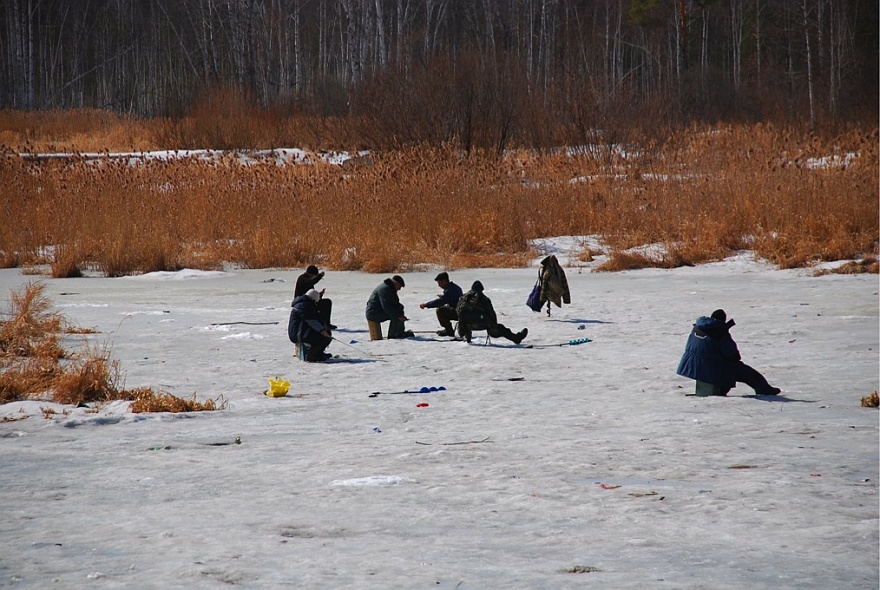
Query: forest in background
x,y
705,127
491,74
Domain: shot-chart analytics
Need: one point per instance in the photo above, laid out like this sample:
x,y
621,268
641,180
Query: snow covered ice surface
x,y
595,469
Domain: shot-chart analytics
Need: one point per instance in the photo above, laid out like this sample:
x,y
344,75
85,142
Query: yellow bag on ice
x,y
278,387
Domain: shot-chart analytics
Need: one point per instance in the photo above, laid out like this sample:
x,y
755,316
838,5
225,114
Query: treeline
x,y
480,72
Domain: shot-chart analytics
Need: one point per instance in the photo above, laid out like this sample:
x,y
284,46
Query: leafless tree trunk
x,y
682,24
809,57
759,10
736,37
382,57
704,50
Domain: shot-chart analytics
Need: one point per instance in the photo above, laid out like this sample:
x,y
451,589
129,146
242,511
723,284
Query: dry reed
x,y
147,400
33,364
703,194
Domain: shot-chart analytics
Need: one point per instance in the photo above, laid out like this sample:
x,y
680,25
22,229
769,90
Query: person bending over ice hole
x,y
475,312
308,280
445,304
384,305
712,356
306,328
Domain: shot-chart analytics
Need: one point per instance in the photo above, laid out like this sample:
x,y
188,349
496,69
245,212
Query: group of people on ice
x,y
310,326
711,356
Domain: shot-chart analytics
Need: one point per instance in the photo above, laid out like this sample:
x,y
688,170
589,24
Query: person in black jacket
x,y
712,356
475,312
306,328
308,280
445,304
384,305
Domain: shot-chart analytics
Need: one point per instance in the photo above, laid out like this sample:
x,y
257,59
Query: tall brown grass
x,y
33,364
702,193
85,130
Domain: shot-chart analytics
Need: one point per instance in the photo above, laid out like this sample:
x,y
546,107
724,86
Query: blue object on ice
x,y
376,430
424,390
432,389
441,388
352,341
582,327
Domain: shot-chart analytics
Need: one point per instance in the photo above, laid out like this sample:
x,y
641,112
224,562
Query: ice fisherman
x,y
306,327
445,304
475,312
308,280
384,305
712,356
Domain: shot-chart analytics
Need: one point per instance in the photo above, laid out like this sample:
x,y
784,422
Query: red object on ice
x,y
605,486
815,475
422,405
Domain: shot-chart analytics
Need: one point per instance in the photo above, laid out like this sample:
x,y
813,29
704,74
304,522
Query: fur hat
x,y
477,286
313,295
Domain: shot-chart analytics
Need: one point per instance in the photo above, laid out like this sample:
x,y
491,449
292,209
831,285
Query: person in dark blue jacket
x,y
712,356
306,328
384,305
445,304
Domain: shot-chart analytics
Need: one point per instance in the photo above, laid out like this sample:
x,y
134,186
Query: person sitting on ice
x,y
475,312
306,329
712,356
384,305
445,304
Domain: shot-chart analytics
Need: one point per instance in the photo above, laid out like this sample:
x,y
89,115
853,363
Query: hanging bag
x,y
534,300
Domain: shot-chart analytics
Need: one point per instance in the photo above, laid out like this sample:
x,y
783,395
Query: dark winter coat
x,y
451,294
384,303
304,324
554,285
476,311
304,282
710,354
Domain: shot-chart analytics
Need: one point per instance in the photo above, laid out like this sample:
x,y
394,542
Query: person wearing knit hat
x,y
475,312
711,356
445,304
308,280
306,329
384,306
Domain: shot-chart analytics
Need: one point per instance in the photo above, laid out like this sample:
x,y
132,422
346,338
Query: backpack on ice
x,y
467,308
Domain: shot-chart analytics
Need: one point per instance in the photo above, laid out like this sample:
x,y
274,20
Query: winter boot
x,y
520,336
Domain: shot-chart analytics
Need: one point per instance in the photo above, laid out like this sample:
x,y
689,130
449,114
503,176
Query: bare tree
x,y
809,58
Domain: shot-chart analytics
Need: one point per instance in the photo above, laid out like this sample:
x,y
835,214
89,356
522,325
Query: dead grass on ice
x,y
34,364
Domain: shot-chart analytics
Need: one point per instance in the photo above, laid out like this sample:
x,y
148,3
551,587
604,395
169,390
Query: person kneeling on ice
x,y
384,305
475,312
445,304
306,328
712,356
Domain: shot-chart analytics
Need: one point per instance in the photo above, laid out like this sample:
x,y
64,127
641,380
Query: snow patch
x,y
186,273
373,480
243,336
